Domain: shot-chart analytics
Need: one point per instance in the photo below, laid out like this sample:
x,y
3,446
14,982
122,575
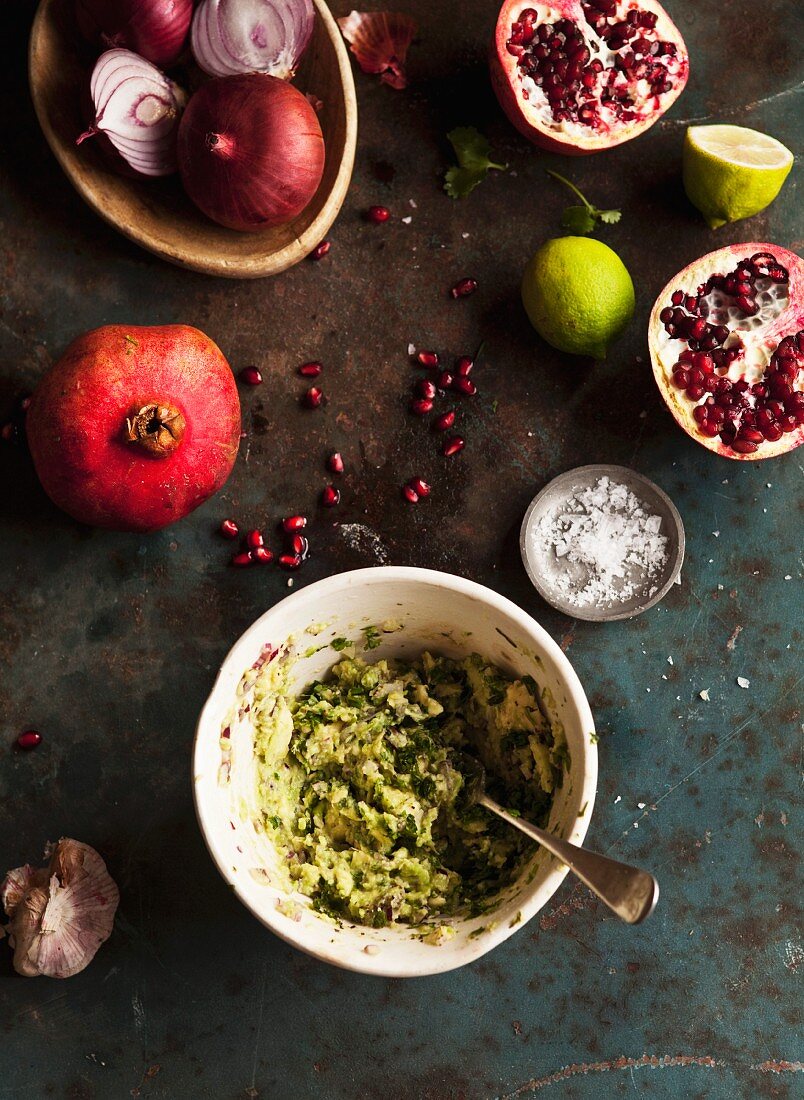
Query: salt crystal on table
x,y
704,695
742,682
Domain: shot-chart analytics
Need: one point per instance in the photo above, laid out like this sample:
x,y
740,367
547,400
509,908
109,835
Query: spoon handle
x,y
630,893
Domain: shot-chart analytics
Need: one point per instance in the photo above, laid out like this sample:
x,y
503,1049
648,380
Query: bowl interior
x,y
156,213
427,611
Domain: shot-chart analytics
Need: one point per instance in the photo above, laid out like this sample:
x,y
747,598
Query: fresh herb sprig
x,y
583,219
474,161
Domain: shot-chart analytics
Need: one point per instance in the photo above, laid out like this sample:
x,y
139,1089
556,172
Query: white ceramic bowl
x,y
439,612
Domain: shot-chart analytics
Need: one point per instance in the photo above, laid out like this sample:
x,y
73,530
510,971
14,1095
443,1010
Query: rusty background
x,y
109,643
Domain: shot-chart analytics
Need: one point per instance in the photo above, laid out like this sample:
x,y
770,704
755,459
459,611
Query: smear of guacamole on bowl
x,y
360,793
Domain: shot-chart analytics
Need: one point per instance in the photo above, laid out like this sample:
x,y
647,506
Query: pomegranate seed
x,y
751,434
310,370
746,305
463,366
465,386
444,421
8,432
463,288
789,423
25,403
410,494
700,413
262,555
453,444
425,388
421,487
241,559
378,214
420,406
695,392
289,561
681,378
229,529
428,359
703,362
294,523
666,315
312,398
250,376
330,496
710,428
677,297
743,446
29,739
335,463
254,539
772,432
300,546
321,250
698,329
444,380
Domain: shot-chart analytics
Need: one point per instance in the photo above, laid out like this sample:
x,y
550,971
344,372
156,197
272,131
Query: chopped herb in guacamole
x,y
360,792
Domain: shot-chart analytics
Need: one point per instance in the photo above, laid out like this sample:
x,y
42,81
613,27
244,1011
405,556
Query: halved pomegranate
x,y
726,340
578,76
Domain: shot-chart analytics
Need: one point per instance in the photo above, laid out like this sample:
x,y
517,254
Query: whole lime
x,y
578,295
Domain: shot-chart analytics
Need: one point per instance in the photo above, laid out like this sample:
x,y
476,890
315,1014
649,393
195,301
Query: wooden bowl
x,y
157,214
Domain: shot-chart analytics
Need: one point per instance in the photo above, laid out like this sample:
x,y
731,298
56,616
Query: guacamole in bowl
x,y
360,790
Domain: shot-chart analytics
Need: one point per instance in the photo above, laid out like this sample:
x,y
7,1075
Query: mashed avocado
x,y
358,787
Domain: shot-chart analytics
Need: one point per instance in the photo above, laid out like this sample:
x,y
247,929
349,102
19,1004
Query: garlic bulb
x,y
59,915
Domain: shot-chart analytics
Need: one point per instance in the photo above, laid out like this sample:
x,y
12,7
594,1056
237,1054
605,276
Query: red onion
x,y
251,151
137,110
234,37
155,29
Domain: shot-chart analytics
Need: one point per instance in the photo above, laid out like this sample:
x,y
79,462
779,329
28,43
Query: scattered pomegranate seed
x,y
8,433
254,539
425,388
330,496
310,370
29,740
242,559
428,359
444,380
378,214
300,546
262,555
321,250
465,386
420,486
312,398
453,444
25,403
444,421
335,463
289,561
294,523
463,288
420,406
229,529
463,366
410,494
250,376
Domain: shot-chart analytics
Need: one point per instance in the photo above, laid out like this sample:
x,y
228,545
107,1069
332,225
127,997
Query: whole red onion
x,y
251,151
155,29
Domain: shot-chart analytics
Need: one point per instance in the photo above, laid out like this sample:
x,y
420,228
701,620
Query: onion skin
x,y
155,29
251,151
80,418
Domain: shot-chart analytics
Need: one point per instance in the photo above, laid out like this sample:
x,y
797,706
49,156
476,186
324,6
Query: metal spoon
x,y
630,893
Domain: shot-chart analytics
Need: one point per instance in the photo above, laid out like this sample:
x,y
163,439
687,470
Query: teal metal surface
x,y
109,643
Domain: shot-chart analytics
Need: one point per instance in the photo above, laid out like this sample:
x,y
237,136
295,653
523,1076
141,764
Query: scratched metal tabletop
x,y
109,643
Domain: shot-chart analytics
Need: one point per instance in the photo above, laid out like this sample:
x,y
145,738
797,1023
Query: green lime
x,y
578,295
731,172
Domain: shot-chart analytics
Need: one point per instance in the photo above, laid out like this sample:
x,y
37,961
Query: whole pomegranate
x,y
135,427
584,75
726,340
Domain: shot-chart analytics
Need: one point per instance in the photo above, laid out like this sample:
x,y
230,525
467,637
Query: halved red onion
x,y
236,37
137,110
155,29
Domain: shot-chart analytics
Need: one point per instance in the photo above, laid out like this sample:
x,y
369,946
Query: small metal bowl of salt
x,y
602,543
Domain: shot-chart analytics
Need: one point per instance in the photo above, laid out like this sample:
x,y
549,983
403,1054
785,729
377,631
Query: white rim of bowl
x,y
375,965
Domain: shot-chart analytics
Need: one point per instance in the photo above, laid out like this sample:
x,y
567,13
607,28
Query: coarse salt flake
x,y
743,682
608,548
704,695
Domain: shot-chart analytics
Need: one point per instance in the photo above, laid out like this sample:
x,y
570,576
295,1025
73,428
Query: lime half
x,y
731,172
578,295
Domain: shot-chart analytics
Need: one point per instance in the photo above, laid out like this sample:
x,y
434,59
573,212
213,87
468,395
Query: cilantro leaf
x,y
578,219
473,154
583,219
